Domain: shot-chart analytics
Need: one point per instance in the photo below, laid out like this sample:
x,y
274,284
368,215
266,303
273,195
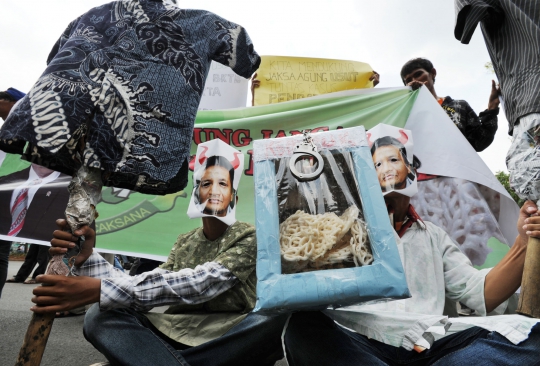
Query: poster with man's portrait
x,y
392,152
31,200
217,171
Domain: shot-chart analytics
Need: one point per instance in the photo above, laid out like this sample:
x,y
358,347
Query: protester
x,y
511,30
478,130
413,330
209,279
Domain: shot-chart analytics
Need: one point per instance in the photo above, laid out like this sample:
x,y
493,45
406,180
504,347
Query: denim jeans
x,y
127,337
312,338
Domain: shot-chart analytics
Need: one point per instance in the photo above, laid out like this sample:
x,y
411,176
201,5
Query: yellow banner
x,y
288,78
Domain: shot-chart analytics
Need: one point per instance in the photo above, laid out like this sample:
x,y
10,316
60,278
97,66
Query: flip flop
x,y
30,282
13,280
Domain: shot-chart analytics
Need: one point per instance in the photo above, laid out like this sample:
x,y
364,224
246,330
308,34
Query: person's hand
x,y
63,240
255,83
529,222
494,101
375,78
415,84
62,293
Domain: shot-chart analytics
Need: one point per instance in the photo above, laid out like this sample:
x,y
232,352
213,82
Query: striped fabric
x,y
511,30
18,212
20,206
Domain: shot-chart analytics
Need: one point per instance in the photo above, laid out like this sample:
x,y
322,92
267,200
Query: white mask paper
x,y
216,175
392,152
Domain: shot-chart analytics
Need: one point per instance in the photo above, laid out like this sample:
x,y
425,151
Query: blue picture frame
x,y
384,279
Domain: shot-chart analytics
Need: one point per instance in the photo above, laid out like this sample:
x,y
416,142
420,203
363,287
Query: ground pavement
x,y
66,345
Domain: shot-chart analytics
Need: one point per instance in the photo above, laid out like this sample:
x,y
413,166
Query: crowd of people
x,y
209,279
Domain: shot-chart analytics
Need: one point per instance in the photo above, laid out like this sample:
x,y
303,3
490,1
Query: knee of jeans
x,y
93,321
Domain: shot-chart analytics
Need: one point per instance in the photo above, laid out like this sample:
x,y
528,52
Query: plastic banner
x,y
147,226
289,78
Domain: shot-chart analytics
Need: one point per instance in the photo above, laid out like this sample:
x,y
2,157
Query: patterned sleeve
x,y
161,287
480,130
96,266
232,47
62,40
470,12
157,287
241,258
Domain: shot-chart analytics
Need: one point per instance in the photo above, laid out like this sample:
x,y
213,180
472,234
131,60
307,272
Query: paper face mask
x,y
392,152
217,172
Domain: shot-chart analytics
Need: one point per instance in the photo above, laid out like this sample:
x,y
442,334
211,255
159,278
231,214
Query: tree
x,y
505,181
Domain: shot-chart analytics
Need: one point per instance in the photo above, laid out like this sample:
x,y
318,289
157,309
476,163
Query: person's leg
x,y
29,263
256,340
5,247
42,260
126,337
495,349
312,338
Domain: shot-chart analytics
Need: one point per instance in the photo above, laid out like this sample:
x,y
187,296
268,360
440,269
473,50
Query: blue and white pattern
x,y
121,91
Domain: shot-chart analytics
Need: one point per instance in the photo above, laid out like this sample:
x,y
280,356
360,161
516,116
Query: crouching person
x,y
414,331
209,280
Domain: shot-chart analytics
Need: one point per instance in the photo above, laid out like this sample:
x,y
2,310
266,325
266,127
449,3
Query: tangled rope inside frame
x,y
313,242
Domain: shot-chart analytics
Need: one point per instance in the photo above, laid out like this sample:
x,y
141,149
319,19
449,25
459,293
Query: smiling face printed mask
x,y
392,153
216,175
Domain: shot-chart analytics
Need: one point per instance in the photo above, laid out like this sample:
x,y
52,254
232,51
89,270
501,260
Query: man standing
x,y
478,130
511,30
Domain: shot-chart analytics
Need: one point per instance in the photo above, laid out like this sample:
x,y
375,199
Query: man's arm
x,y
158,287
505,278
479,130
470,12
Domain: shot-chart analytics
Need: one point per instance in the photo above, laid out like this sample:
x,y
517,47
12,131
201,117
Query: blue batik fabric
x,y
121,91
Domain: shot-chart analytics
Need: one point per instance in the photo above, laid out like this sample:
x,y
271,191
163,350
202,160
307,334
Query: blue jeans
x,y
127,337
312,338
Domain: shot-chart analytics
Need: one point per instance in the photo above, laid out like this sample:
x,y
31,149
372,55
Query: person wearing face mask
x,y
208,280
415,330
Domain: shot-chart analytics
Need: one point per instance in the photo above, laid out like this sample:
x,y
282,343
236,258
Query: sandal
x,y
30,282
13,280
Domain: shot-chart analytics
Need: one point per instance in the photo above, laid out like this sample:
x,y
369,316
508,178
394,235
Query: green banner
x,y
133,222
145,225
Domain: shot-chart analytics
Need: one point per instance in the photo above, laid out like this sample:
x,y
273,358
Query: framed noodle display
x,y
323,232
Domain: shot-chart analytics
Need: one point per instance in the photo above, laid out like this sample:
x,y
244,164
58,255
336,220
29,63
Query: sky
x,y
383,33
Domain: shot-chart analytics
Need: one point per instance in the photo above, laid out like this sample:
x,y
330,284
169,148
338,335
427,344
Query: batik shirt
x,y
478,130
511,29
121,91
210,285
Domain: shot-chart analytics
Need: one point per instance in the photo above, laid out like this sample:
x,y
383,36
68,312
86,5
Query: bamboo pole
x,y
84,194
529,298
35,339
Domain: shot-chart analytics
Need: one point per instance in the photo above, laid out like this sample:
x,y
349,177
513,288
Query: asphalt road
x,y
66,345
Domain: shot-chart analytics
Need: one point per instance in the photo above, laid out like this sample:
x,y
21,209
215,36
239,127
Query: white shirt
x,y
432,262
32,176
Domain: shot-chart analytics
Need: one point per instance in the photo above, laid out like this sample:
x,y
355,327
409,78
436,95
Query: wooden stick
x,y
35,339
529,298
